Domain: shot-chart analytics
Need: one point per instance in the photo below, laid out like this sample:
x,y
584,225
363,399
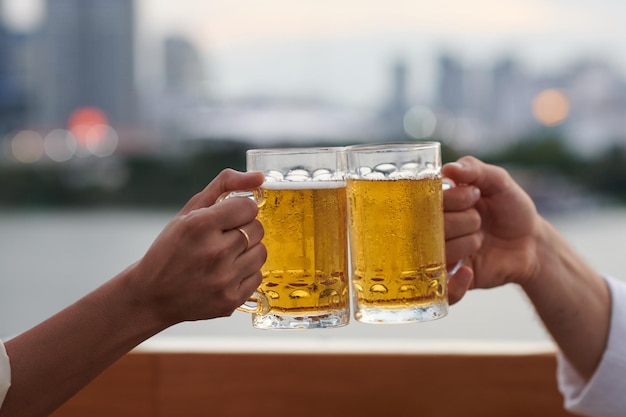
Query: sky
x,y
342,50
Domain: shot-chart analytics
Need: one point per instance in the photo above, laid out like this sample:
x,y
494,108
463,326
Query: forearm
x,y
54,360
572,300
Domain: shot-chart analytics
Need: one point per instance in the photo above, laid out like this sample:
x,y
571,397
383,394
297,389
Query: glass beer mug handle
x,y
256,304
447,184
256,195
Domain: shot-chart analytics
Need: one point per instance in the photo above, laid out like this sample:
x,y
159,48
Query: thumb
x,y
490,179
466,170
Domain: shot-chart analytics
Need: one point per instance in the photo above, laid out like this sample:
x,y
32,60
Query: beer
x,y
303,211
397,243
306,240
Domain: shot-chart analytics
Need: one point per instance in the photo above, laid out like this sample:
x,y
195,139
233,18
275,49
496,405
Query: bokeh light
x,y
90,127
27,146
82,120
102,140
420,122
60,145
551,107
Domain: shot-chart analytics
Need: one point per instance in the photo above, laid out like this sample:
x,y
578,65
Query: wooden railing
x,y
171,383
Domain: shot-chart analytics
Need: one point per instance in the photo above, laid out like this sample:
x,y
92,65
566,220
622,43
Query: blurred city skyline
x,y
481,73
336,48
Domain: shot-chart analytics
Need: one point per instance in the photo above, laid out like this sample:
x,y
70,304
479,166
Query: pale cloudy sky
x,y
342,50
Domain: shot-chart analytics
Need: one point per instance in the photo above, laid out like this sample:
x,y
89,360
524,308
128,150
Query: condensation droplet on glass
x,y
322,174
364,171
440,290
328,280
379,288
330,297
410,166
403,175
299,294
408,288
273,175
385,168
374,176
298,174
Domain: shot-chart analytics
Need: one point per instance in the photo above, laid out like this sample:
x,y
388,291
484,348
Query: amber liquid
x,y
306,240
397,242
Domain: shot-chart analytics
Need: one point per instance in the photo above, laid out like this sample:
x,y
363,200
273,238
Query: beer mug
x,y
302,208
397,246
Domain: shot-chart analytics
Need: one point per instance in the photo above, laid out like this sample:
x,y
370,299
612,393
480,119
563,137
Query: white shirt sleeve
x,y
604,395
5,373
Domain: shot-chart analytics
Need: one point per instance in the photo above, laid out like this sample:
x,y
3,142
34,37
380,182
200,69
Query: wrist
x,y
542,255
141,313
572,300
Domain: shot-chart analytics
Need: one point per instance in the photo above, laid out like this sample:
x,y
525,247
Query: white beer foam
x,y
302,185
396,175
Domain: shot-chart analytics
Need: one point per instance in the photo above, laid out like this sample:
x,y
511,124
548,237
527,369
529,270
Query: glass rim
x,y
295,150
393,146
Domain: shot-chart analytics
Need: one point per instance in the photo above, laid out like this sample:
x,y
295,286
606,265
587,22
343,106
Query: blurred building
x,y
511,91
495,106
13,79
597,95
393,114
184,87
184,70
85,58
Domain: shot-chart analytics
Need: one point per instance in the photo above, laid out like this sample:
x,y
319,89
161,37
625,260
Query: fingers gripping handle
x,y
258,302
